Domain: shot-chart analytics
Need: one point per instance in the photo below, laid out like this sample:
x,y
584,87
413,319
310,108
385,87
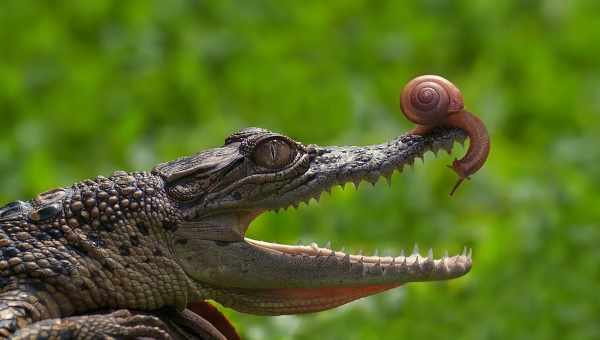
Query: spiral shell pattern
x,y
428,100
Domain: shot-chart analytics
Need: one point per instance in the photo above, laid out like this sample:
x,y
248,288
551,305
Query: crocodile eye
x,y
274,154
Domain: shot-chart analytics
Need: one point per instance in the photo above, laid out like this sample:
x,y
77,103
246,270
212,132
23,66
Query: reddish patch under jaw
x,y
211,314
308,300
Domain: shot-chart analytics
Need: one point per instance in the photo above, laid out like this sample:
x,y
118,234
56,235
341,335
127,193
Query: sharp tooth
x,y
430,254
464,253
342,185
447,148
360,252
347,258
377,267
402,253
328,245
445,255
416,249
343,250
388,174
356,183
314,245
373,177
376,253
470,253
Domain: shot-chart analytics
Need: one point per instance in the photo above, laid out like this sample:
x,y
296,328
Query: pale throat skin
x,y
176,235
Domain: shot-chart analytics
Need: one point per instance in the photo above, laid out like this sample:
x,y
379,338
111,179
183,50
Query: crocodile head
x,y
220,191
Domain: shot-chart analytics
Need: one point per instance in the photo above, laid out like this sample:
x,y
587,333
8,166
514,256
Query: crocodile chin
x,y
261,277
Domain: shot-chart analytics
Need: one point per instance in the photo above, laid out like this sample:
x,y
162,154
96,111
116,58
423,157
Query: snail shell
x,y
429,99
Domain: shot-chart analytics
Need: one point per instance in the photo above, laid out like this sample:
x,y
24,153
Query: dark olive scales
x,y
81,241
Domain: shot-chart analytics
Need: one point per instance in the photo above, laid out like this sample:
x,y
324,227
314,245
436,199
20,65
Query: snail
x,y
431,101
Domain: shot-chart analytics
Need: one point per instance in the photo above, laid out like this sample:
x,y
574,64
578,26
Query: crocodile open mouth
x,y
365,275
272,278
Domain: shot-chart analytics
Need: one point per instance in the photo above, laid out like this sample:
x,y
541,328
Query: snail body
x,y
431,101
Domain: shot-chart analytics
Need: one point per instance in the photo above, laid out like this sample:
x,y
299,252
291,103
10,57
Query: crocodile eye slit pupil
x,y
274,154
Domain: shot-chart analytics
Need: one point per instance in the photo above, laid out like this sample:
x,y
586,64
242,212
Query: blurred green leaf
x,y
94,86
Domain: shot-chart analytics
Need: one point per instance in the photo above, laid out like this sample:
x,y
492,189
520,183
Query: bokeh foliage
x,y
91,86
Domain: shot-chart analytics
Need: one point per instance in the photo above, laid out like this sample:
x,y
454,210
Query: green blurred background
x,y
93,86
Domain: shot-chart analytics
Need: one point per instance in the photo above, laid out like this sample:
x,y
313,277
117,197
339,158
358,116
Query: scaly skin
x,y
162,240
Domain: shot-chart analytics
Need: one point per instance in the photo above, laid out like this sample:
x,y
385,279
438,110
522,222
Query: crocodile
x,y
139,254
